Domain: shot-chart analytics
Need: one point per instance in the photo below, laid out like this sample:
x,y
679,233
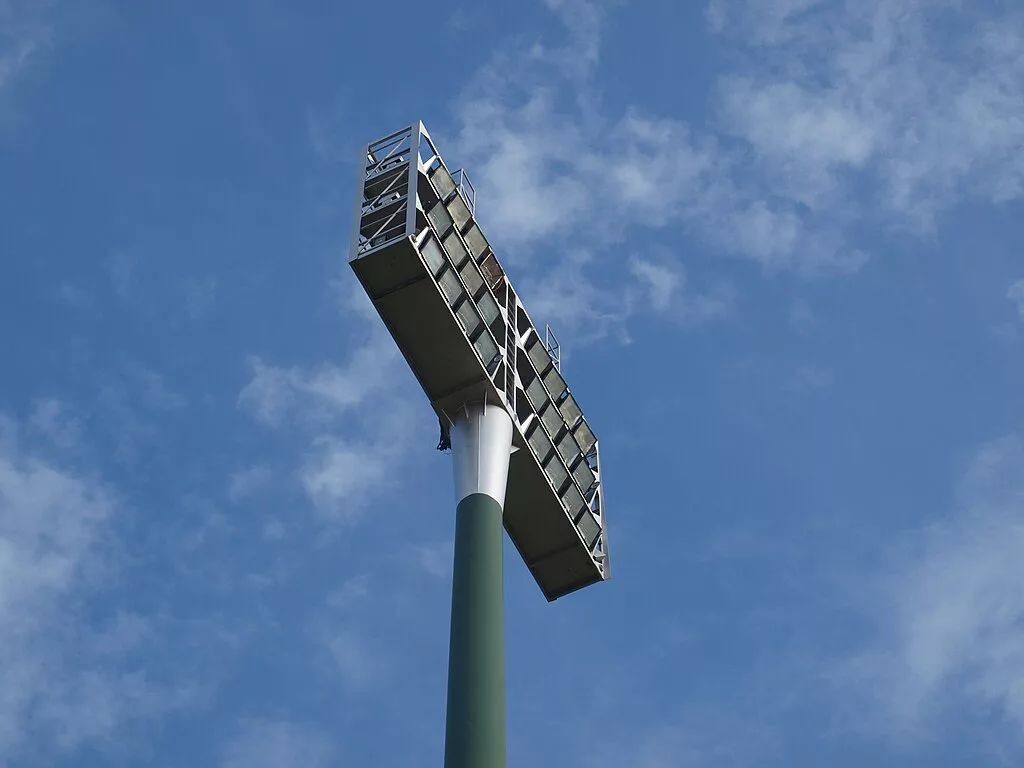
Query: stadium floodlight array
x,y
524,454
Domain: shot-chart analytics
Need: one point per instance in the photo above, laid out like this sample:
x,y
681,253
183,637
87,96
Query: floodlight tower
x,y
524,456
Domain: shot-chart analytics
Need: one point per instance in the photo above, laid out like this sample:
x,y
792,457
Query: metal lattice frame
x,y
424,203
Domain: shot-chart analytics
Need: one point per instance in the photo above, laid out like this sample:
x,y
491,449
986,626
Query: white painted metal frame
x,y
391,210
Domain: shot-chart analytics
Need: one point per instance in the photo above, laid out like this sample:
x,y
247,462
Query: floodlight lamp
x,y
570,410
489,309
459,212
485,347
493,273
539,355
551,418
469,318
476,241
433,255
443,182
573,501
568,447
536,392
554,382
584,475
471,277
585,437
439,218
589,529
540,444
451,288
457,251
556,472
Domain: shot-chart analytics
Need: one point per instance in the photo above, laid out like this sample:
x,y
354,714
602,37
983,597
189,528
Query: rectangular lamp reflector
x,y
589,529
489,308
469,318
570,410
585,437
476,241
540,444
552,418
573,501
539,355
535,391
485,347
568,447
433,255
459,212
554,382
439,218
450,286
457,251
584,475
443,182
556,472
471,277
492,270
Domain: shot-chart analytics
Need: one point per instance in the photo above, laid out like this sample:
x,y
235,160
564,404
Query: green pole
x,y
475,724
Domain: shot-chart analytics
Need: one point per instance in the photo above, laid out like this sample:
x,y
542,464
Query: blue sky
x,y
780,243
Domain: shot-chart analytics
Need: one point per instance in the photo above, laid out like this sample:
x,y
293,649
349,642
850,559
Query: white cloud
x,y
51,420
663,287
24,34
810,378
347,415
65,681
764,22
435,558
950,622
13,58
339,474
355,659
551,169
921,104
278,744
847,113
1016,295
568,297
153,391
275,394
685,739
806,139
244,483
660,282
342,632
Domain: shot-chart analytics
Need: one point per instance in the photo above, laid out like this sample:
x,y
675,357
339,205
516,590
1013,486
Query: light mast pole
x,y
475,722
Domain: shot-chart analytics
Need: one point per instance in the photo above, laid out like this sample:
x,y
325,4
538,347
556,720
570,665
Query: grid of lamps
x,y
460,260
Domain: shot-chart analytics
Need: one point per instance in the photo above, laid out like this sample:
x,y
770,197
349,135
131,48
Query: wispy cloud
x,y
346,414
893,128
664,286
950,613
921,105
24,34
340,472
810,378
435,558
551,167
66,681
261,743
687,739
51,420
246,482
1016,295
